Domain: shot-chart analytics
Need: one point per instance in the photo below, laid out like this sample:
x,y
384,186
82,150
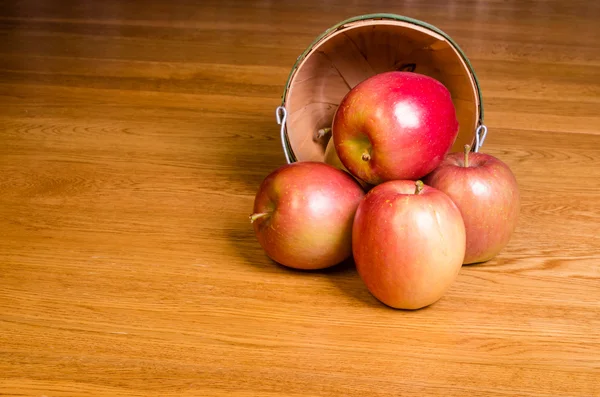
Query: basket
x,y
358,48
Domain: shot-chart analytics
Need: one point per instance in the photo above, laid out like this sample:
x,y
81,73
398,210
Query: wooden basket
x,y
357,49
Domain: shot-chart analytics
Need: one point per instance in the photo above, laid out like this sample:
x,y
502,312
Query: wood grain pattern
x,y
133,136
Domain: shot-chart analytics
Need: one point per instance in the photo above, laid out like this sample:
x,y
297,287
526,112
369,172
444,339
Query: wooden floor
x,y
133,137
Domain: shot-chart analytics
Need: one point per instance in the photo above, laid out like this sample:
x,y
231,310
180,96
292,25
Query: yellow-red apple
x,y
408,241
487,194
303,214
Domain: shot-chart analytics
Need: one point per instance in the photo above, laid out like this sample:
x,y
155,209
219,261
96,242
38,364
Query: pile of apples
x,y
391,195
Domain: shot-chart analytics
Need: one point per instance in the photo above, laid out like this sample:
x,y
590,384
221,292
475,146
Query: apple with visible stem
x,y
303,215
487,194
408,241
394,125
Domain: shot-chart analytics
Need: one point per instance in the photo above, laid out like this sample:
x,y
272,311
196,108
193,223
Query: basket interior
x,y
358,51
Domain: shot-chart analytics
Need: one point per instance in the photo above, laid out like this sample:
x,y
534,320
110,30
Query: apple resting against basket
x,y
427,211
395,125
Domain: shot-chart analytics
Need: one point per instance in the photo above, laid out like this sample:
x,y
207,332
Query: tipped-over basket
x,y
357,49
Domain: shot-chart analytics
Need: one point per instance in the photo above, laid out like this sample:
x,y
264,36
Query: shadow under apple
x,y
346,279
342,276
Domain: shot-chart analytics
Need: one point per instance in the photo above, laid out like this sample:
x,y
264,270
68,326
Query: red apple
x,y
408,243
303,214
487,194
394,125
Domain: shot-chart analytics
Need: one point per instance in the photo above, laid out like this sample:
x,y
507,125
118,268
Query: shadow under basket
x,y
357,49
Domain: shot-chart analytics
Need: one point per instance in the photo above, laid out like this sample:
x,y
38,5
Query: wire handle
x,y
281,116
480,135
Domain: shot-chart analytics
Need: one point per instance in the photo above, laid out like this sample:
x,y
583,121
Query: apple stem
x,y
323,131
366,156
258,215
467,150
418,187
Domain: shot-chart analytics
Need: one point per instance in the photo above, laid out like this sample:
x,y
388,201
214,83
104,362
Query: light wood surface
x,y
133,137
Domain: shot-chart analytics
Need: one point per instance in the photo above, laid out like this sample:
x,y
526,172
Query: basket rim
x,y
386,16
